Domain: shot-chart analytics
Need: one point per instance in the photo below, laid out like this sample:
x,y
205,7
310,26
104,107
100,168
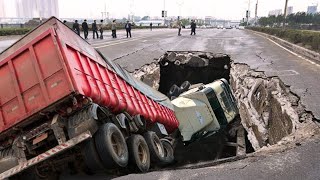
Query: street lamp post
x,y
256,13
285,14
248,13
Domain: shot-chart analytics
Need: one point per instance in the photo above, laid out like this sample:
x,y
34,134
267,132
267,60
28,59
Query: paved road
x,y
244,47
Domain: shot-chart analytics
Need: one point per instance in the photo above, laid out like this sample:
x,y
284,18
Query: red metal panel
x,y
45,50
25,72
6,85
113,102
31,79
123,88
122,102
57,86
105,96
134,100
57,62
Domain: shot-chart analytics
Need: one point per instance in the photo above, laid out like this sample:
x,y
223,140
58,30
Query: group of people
x,y
192,24
99,27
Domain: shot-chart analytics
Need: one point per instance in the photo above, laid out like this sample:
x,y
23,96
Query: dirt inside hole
x,y
269,112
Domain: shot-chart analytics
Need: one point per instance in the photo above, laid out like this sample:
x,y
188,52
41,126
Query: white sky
x,y
222,9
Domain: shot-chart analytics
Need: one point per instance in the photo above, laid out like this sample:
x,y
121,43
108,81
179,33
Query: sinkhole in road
x,y
269,113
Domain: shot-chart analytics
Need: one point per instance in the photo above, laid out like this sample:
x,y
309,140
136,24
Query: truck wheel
x,y
155,146
185,86
168,153
174,91
139,152
7,159
111,146
91,157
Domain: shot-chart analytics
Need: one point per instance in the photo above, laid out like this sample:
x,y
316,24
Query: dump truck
x,y
62,104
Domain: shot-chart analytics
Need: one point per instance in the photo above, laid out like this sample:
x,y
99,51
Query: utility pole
x,y
248,13
256,13
285,14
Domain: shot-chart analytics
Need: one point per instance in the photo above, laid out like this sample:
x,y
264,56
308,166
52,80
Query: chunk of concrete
x,y
196,61
171,56
182,58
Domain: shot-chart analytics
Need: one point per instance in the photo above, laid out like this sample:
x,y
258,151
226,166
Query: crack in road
x,y
115,59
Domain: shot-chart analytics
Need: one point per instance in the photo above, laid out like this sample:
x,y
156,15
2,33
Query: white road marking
x,y
284,72
144,40
121,42
295,54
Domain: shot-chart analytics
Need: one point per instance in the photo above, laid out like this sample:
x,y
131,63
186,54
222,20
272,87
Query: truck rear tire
x,y
111,146
168,153
7,159
155,146
139,152
91,156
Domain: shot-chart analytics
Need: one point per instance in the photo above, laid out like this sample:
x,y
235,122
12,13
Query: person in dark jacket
x,y
85,29
95,29
128,28
76,27
193,27
101,26
150,26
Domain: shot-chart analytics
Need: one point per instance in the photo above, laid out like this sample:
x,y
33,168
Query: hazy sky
x,y
226,9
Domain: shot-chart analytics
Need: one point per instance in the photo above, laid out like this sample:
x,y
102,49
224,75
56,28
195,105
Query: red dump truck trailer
x,y
57,92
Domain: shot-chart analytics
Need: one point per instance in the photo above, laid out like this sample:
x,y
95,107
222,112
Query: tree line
x,y
293,20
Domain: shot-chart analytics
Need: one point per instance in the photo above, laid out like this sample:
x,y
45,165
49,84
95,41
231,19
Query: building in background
x,y
312,9
275,12
289,10
37,8
208,20
2,9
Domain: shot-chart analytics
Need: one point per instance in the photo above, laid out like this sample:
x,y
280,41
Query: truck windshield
x,y
216,106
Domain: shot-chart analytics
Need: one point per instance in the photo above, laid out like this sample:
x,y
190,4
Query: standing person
x,y
95,29
114,29
85,29
179,26
128,28
193,27
101,26
76,27
151,26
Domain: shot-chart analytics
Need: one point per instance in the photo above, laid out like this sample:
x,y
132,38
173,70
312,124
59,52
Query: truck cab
x,y
204,110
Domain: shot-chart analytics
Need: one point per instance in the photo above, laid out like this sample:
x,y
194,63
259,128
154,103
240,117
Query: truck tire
x,y
168,152
155,146
7,159
185,86
174,91
111,146
139,153
91,157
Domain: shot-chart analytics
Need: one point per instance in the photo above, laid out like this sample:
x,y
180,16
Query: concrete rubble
x,y
269,111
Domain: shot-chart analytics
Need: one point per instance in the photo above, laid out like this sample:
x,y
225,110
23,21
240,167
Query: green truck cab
x,y
204,110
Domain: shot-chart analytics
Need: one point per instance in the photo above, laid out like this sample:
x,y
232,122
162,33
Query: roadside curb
x,y
312,55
